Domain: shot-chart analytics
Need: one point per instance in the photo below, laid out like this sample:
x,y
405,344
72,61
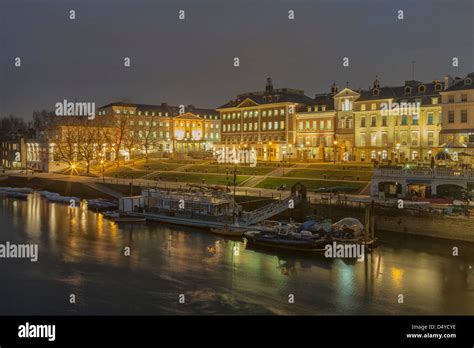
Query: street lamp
x,y
289,154
103,170
335,144
270,151
283,164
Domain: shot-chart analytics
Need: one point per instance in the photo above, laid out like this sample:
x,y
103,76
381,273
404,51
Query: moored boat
x,y
229,231
303,241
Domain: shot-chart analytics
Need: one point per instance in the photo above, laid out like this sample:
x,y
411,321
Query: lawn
x,y
157,165
313,185
198,178
222,169
331,174
342,166
124,172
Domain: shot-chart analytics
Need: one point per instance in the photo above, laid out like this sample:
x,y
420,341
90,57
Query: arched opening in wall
x,y
418,190
390,189
450,191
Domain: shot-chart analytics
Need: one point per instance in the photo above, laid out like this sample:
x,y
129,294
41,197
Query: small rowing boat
x,y
228,231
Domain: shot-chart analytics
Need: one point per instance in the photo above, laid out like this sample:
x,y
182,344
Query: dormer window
x,y
467,81
375,91
407,90
438,87
422,89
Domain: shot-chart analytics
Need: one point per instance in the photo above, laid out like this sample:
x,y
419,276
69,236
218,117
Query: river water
x,y
82,253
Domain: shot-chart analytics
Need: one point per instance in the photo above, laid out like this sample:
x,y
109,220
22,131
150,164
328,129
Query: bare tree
x,y
87,141
149,139
66,144
132,137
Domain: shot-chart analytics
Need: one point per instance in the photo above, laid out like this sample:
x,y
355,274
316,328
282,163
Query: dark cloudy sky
x,y
191,61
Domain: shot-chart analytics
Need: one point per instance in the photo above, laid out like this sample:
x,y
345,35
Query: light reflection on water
x,y
82,253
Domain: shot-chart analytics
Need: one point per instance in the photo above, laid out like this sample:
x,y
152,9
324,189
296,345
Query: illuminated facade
x,y
457,134
398,123
316,124
166,128
263,121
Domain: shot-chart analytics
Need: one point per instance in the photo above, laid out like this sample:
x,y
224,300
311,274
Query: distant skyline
x,y
191,61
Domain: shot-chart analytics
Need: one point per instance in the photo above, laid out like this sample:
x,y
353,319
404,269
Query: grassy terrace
x,y
212,179
222,169
331,174
314,185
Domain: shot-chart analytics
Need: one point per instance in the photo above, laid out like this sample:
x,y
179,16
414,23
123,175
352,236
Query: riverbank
x,y
402,221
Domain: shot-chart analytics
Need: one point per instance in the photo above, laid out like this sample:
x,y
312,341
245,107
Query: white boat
x,y
111,214
230,231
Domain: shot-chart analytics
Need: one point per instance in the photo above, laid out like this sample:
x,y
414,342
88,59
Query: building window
x,y
282,124
451,99
362,107
282,112
315,125
403,137
384,121
307,126
373,106
362,156
349,122
300,125
414,139
373,121
362,121
414,120
275,125
463,116
373,139
430,138
329,124
430,119
384,139
321,125
404,120
450,116
464,97
434,100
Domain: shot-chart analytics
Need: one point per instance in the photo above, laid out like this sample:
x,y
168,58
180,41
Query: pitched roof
x,y
281,95
462,84
399,93
164,107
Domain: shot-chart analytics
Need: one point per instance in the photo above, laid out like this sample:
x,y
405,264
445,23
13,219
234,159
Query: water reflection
x,y
81,252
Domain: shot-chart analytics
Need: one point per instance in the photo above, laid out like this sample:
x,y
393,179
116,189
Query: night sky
x,y
191,61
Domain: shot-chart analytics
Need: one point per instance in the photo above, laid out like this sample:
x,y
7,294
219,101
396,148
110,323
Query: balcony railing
x,y
438,173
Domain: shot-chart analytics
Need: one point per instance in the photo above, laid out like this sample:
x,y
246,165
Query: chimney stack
x,y
448,81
